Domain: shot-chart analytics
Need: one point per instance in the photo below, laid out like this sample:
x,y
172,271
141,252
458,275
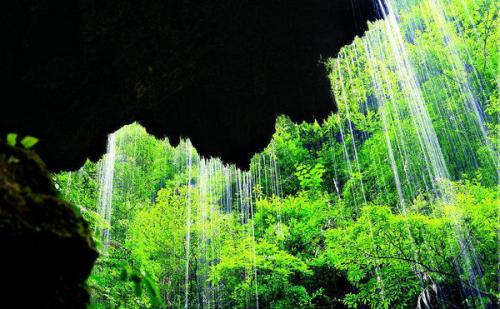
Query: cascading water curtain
x,y
431,137
213,193
390,200
106,191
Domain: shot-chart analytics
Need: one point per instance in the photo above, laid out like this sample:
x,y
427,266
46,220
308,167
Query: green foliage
x,y
156,240
346,212
12,139
143,281
275,269
383,251
310,178
29,141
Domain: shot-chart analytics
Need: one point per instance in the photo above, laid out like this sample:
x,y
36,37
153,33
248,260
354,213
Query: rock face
x,y
217,72
46,249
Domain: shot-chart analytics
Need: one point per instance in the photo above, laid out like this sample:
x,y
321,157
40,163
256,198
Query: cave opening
x,y
282,164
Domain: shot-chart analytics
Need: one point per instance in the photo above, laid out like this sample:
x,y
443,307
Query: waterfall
x,y
467,262
410,133
427,137
246,194
189,151
403,107
105,200
214,189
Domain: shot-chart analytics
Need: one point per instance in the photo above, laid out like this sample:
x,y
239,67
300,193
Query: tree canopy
x,y
390,203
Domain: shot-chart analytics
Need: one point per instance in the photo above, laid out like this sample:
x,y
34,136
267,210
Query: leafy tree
x,y
351,211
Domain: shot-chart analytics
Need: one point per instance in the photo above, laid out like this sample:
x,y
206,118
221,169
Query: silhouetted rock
x,y
46,249
217,72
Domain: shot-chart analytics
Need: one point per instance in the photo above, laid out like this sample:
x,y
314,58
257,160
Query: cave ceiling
x,y
217,72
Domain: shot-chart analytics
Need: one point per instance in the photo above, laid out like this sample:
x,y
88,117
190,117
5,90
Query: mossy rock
x,y
47,252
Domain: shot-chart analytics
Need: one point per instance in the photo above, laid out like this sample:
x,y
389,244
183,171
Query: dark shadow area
x,y
217,72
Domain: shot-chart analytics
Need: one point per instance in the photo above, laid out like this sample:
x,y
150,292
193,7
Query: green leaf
x,y
29,141
12,139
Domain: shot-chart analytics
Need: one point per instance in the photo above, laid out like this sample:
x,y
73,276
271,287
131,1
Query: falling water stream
x,y
412,121
188,222
106,190
385,44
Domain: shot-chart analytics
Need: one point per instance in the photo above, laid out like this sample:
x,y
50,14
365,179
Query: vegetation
x,y
386,203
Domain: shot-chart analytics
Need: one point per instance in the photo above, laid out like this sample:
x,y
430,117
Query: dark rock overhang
x,y
217,72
